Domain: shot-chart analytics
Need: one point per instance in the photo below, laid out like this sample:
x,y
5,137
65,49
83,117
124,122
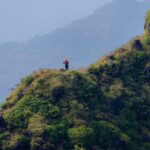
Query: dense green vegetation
x,y
106,107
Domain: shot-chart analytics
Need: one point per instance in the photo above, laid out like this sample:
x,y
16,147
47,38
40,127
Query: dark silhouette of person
x,y
66,63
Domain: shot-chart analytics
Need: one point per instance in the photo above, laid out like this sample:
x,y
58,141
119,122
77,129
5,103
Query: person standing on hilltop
x,y
66,63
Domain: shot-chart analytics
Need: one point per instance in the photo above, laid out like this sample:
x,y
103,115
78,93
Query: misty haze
x,y
89,31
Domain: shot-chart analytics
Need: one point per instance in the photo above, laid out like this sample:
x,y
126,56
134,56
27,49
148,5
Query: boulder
x,y
136,44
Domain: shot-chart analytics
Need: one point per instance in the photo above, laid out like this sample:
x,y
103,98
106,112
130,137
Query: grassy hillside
x,y
106,107
83,41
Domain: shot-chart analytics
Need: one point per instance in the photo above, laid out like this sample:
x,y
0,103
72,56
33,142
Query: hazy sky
x,y
22,19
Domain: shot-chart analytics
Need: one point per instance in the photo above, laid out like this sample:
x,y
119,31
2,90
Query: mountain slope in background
x,y
104,107
83,42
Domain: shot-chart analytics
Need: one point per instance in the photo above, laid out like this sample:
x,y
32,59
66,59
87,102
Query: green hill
x,y
104,107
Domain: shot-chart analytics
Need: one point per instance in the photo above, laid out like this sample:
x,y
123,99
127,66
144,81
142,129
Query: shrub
x,y
37,125
115,90
3,136
28,80
110,136
81,136
57,132
17,142
28,105
57,93
39,143
147,40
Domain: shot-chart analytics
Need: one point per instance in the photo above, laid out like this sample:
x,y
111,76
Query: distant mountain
x,y
104,107
82,41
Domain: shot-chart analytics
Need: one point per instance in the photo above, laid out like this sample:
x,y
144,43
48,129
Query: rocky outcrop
x,y
136,44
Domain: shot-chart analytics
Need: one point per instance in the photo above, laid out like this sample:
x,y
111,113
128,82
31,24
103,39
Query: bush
x,y
37,125
147,24
17,142
110,136
147,40
81,136
28,105
116,90
57,93
57,132
3,136
39,143
28,80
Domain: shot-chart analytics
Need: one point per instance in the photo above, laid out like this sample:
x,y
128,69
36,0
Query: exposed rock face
x,y
136,44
